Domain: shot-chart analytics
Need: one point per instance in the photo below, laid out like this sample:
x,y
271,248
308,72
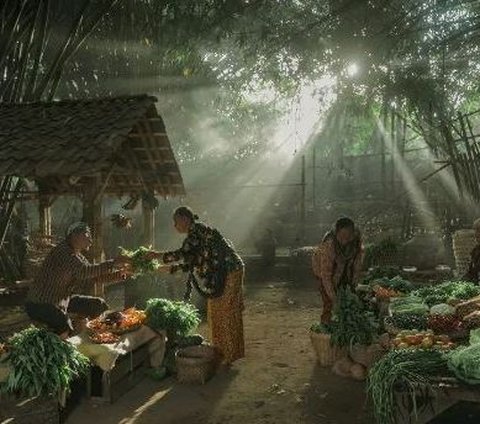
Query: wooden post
x,y
45,216
92,215
148,224
314,179
302,202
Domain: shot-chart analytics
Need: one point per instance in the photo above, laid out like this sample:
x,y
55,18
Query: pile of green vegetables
x,y
464,361
42,363
140,263
381,272
410,305
407,321
177,318
351,322
447,292
410,370
396,283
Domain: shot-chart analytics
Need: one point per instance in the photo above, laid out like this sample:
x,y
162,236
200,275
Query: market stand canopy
x,y
66,145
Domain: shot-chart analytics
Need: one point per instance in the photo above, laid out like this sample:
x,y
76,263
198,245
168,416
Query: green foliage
x,y
409,305
42,363
351,322
140,263
381,272
449,291
412,369
177,318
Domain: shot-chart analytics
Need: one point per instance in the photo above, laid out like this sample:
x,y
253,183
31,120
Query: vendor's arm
x,y
327,260
84,271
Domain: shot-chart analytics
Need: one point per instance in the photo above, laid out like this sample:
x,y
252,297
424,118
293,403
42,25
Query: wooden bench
x,y
445,393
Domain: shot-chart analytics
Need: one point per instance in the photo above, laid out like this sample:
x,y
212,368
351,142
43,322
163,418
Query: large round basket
x,y
463,243
326,353
366,355
195,364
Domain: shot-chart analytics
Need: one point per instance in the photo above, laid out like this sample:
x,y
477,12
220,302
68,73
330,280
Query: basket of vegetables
x,y
412,339
117,322
325,351
396,323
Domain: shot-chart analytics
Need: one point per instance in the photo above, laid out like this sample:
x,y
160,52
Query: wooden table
x,y
445,393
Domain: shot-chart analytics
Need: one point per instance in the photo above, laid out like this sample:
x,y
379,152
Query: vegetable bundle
x,y
177,318
351,324
407,321
396,283
42,363
140,263
410,368
448,292
464,362
411,305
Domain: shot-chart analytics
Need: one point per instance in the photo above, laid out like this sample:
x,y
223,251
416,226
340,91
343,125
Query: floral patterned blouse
x,y
206,251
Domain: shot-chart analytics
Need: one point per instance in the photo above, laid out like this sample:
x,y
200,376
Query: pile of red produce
x,y
445,324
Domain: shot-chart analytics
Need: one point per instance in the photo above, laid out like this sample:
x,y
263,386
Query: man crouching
x,y
65,271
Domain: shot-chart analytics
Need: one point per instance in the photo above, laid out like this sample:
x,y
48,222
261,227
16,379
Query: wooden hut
x,y
90,148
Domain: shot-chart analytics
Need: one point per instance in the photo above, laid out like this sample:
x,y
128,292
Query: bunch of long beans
x,y
411,368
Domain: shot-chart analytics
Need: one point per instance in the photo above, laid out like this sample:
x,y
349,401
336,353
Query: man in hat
x,y
64,272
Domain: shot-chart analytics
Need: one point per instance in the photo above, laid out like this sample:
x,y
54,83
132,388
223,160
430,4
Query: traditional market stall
x,y
90,149
417,346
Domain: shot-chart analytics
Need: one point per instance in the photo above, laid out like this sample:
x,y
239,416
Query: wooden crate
x,y
129,370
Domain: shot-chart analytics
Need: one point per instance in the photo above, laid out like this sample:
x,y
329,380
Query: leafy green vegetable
x,y
351,323
381,272
464,362
407,321
411,305
396,283
447,291
177,318
140,263
410,368
42,363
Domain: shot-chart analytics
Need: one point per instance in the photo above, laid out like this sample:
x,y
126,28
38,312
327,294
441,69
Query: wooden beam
x,y
92,215
45,202
148,224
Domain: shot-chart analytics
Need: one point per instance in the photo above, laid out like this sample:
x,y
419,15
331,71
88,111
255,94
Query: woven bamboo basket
x,y
326,353
463,244
366,355
195,364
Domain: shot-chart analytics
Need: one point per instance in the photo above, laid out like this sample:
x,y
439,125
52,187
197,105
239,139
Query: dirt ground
x,y
278,381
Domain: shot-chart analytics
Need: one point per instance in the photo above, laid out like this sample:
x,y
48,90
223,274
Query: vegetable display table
x,y
445,393
119,367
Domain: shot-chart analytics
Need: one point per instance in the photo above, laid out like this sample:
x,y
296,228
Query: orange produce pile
x,y
385,293
118,321
421,340
104,338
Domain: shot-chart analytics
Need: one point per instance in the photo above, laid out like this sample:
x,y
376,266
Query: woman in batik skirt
x,y
216,271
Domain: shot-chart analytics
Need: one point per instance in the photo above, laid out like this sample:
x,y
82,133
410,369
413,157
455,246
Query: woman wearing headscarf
x,y
216,271
337,262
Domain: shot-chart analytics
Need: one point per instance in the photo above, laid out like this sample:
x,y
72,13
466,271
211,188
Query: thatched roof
x,y
62,145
